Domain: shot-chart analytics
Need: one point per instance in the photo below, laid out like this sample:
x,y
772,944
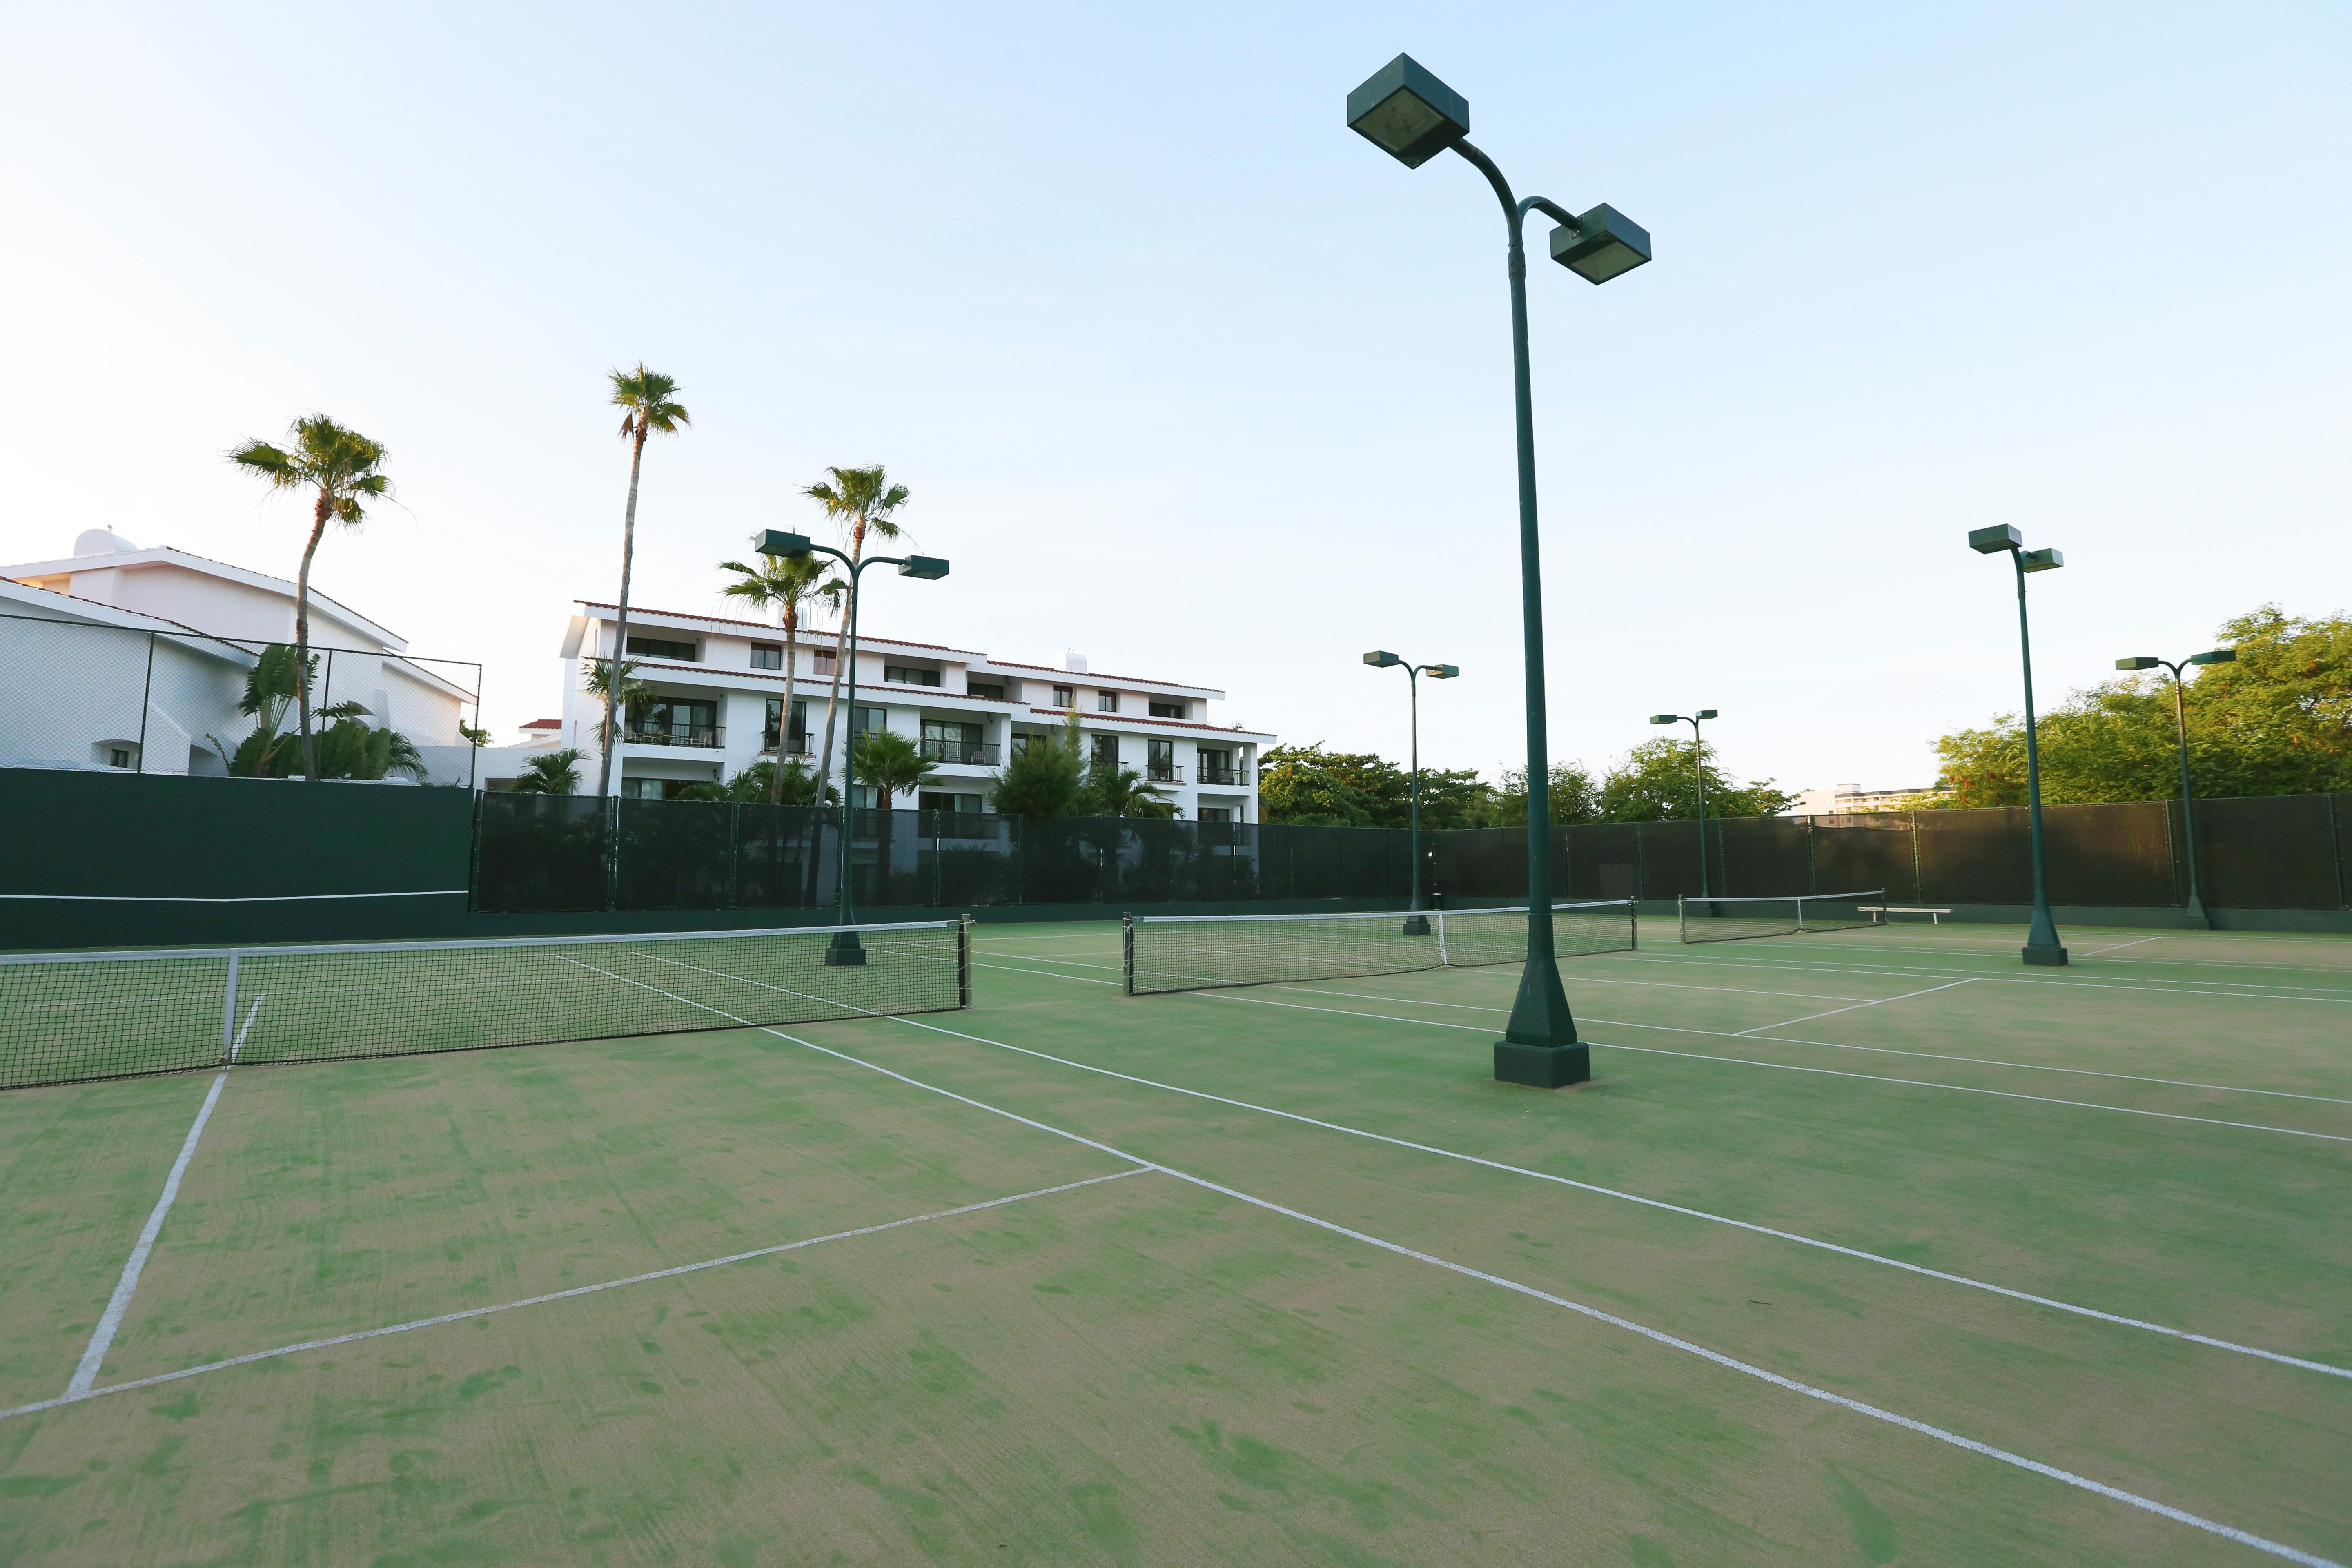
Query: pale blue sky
x,y
1185,374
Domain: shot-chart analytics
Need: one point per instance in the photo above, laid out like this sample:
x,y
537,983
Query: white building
x,y
87,621
721,702
1840,799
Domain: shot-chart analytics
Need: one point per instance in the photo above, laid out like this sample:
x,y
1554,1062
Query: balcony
x,y
1156,772
796,744
971,754
1224,773
709,738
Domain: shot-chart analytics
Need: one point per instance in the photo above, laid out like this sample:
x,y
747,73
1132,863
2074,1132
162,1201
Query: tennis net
x,y
1193,952
1732,919
65,1017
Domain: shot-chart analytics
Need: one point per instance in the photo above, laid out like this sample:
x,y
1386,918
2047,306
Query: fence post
x,y
2336,842
1918,887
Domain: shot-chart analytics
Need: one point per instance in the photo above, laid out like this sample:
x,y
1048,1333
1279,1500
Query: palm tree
x,y
889,764
783,584
557,773
342,466
649,403
1114,791
866,502
596,674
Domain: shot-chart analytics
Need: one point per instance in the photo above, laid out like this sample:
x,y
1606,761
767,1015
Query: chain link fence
x,y
89,697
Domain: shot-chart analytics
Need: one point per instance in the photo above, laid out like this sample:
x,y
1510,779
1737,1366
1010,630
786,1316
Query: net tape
x,y
1194,953
66,1017
1797,914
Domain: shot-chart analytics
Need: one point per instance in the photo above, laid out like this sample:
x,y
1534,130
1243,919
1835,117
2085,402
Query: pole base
x,y
2195,923
1416,925
1542,1067
2048,957
843,950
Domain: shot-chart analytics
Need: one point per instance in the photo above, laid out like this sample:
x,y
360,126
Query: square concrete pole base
x,y
1542,1067
2049,957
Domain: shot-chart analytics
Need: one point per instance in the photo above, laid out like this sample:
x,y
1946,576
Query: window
x,y
861,796
1020,742
869,721
1064,698
1216,766
1167,709
1106,700
825,662
797,738
910,675
660,647
993,690
952,740
654,789
767,656
1106,751
1159,761
1215,814
120,756
939,800
675,722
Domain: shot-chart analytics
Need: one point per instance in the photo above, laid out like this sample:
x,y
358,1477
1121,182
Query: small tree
x,y
1043,778
1656,782
784,583
557,773
342,467
889,764
1114,791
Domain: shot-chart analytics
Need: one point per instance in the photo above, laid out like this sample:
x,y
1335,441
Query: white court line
x,y
1914,973
1784,1066
102,1340
1776,1040
1563,1181
72,1396
2068,1478
2118,947
238,1043
1857,1007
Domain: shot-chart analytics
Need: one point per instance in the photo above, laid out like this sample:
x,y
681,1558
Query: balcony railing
x,y
796,744
1213,773
978,753
1162,772
709,737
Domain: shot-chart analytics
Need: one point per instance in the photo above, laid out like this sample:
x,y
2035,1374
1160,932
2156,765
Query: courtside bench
x,y
1878,912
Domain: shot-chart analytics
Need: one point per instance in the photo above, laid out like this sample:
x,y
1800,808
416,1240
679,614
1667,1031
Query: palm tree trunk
x,y
784,723
621,628
302,638
840,649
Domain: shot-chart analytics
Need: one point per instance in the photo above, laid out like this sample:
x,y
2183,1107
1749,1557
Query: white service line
x,y
73,1396
1857,1007
1814,1242
2133,1499
102,1339
238,1043
1915,972
1786,1067
2118,947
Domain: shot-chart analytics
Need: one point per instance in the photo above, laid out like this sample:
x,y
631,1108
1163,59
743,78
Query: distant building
x,y
1839,799
723,701
125,658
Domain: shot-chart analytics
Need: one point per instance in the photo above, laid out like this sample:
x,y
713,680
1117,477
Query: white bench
x,y
1879,911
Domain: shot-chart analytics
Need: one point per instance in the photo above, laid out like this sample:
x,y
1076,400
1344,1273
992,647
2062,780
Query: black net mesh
x,y
1196,952
67,1018
1973,857
2271,852
1761,855
2110,854
1866,849
541,852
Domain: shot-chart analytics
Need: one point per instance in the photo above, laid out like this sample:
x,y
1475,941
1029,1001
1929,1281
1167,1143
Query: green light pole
x,y
1417,923
1699,748
845,947
2042,944
2194,917
1411,116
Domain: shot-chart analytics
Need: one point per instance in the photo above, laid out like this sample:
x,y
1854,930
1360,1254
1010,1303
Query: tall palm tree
x,y
784,583
649,403
865,501
345,467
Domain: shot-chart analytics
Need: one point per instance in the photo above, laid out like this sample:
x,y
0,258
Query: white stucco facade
x,y
723,700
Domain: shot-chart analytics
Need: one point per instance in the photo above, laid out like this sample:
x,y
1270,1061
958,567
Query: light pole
x,y
2194,918
2042,944
1699,748
1416,924
845,947
1413,117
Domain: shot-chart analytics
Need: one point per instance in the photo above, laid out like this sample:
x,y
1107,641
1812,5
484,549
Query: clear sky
x,y
1186,375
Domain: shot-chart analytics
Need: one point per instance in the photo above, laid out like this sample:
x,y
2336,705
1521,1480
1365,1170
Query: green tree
x,y
348,748
1573,796
343,469
649,403
1656,781
760,784
889,764
864,501
596,675
556,773
1043,778
2276,722
1359,789
1111,790
784,583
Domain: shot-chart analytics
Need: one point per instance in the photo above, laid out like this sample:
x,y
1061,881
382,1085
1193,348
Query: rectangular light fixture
x,y
1993,541
929,568
2042,561
1604,244
1407,113
775,542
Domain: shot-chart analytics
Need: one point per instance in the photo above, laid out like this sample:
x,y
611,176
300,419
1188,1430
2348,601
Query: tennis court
x,y
1862,1246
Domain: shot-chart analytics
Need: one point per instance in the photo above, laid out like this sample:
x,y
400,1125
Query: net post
x,y
1445,960
963,962
228,1010
1681,919
1126,954
1632,925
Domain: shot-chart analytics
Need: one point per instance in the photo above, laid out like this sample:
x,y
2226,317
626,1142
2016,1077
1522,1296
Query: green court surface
x,y
1867,1247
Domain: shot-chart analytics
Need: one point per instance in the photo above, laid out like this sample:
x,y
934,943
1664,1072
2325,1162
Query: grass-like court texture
x,y
1863,1248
